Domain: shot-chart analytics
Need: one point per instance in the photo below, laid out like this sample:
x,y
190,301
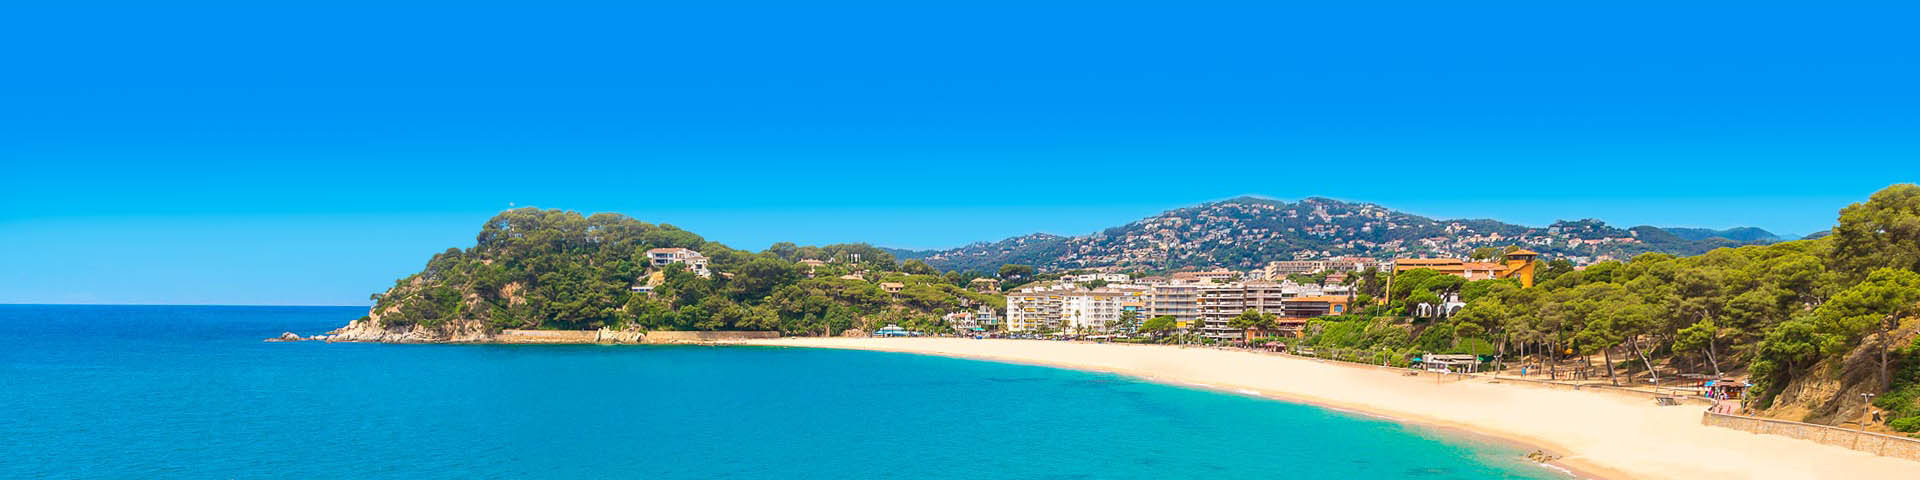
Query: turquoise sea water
x,y
192,392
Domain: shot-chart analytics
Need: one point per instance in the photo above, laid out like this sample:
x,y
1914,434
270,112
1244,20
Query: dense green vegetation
x,y
1782,312
555,269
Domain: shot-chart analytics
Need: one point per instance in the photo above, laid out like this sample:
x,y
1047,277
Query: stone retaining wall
x,y
1553,384
706,337
547,336
1878,444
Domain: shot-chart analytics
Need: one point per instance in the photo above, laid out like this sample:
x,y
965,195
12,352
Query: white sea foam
x,y
1560,469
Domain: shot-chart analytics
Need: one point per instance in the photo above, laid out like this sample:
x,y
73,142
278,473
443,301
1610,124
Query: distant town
x,y
1199,302
1207,301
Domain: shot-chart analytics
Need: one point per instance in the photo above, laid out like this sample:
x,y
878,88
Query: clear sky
x,y
262,153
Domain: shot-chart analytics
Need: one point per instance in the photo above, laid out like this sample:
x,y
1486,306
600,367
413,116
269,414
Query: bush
x,y
1907,425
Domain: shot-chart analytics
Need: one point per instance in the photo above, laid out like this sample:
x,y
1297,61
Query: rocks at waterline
x,y
1541,456
293,337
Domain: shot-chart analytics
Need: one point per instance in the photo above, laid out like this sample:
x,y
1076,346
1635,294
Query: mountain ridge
x,y
1247,231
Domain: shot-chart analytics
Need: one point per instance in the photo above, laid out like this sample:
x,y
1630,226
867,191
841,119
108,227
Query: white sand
x,y
1601,434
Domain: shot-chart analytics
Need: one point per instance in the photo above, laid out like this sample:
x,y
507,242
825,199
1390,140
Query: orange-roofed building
x,y
1313,306
1518,265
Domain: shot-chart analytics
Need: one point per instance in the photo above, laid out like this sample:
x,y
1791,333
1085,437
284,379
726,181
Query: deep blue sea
x,y
192,392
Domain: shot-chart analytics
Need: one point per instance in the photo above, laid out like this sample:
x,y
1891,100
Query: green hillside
x,y
554,269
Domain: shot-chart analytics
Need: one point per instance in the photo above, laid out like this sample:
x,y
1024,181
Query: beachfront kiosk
x,y
1725,388
1462,363
891,331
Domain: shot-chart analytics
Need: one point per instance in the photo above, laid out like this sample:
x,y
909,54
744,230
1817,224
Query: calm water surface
x,y
192,392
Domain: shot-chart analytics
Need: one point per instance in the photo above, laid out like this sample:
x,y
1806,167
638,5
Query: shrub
x,y
1908,425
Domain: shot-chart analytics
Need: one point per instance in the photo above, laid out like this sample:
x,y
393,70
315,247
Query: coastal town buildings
x,y
981,319
1292,305
662,257
1313,306
1219,303
1068,307
1199,305
1089,311
1036,307
1282,269
1179,300
1216,275
985,285
1336,265
1103,277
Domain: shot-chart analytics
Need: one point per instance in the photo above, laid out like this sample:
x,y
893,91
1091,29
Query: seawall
x,y
1874,443
681,336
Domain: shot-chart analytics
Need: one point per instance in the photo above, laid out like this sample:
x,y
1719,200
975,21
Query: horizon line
x,y
166,305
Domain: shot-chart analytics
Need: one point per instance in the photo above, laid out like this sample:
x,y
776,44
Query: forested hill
x,y
1248,232
1741,234
532,268
1813,323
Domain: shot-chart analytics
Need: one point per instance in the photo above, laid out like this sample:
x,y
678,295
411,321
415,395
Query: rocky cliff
x,y
1830,392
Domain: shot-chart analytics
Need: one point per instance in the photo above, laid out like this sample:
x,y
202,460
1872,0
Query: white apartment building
x,y
1066,307
1219,303
1089,311
984,318
1036,307
1176,299
662,257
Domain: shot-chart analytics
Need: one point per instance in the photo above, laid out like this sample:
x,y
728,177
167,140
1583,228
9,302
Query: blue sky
x,y
310,154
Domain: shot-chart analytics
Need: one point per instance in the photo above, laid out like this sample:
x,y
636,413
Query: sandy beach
x,y
1600,435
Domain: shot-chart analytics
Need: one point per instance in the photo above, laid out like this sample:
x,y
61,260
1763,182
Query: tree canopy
x,y
532,268
1776,310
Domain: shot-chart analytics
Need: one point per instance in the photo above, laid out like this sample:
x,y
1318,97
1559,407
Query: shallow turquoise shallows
x,y
192,392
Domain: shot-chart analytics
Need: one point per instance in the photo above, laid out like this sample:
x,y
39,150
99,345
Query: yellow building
x,y
1518,265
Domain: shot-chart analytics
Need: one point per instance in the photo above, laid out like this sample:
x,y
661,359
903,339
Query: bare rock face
x,y
855,333
1829,392
286,337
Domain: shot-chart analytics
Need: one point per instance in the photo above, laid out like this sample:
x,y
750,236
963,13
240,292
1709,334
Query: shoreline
x,y
1572,467
1600,435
